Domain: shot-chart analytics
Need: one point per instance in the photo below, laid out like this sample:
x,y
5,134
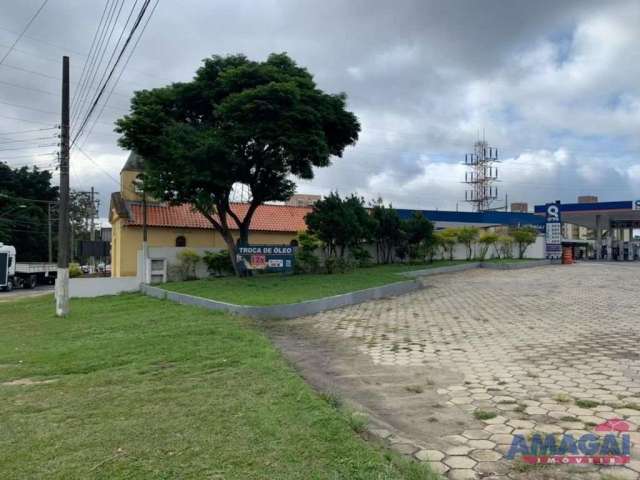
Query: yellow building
x,y
181,225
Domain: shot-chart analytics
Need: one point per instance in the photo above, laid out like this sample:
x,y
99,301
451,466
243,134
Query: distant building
x,y
520,207
181,226
587,199
302,200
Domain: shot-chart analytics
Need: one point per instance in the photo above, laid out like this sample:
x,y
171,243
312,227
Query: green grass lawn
x,y
274,289
148,389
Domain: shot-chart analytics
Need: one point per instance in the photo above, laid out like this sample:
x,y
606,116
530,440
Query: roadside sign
x,y
553,234
636,205
268,258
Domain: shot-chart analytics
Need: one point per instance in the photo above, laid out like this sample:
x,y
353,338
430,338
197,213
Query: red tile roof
x,y
267,218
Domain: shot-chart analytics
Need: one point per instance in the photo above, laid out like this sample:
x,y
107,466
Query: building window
x,y
181,241
293,243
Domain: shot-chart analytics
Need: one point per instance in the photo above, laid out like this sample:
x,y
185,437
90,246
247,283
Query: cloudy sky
x,y
555,86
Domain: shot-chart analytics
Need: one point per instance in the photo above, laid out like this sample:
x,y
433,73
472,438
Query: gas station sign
x,y
636,205
553,234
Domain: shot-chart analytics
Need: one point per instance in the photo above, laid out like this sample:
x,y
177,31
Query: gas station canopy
x,y
625,214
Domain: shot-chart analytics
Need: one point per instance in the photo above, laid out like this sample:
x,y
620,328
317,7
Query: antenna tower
x,y
481,176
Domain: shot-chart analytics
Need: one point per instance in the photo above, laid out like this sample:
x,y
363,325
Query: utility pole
x,y
62,279
145,244
92,261
50,239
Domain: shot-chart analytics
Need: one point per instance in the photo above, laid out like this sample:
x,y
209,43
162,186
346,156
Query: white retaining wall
x,y
99,286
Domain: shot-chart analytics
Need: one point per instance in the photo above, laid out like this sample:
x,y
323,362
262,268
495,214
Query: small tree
x,y
387,231
486,241
523,237
505,245
218,263
448,239
340,223
187,262
431,247
306,259
418,233
467,236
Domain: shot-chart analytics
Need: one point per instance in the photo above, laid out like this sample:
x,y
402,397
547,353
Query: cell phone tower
x,y
481,176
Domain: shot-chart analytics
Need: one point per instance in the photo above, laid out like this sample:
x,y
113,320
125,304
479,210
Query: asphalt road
x,y
25,293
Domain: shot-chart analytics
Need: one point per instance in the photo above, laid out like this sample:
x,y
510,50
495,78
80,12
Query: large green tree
x,y
24,193
238,121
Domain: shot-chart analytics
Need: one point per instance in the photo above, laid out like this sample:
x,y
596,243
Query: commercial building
x,y
608,228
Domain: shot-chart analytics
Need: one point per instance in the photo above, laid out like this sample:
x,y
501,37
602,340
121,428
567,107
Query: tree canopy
x,y
23,210
340,223
237,121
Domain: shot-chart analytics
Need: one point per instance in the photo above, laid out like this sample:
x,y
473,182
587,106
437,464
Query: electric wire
x,y
24,30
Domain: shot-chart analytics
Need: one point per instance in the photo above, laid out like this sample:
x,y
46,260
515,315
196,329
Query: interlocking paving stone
x,y
527,344
429,455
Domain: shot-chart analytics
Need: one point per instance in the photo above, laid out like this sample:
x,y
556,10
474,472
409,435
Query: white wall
x,y
171,255
536,250
97,287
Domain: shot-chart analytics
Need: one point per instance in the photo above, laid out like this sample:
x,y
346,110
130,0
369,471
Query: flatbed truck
x,y
23,274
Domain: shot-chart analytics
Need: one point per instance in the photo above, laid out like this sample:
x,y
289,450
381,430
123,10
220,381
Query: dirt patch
x,y
406,400
26,382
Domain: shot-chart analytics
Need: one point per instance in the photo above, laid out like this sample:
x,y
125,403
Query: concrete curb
x,y
470,266
438,270
292,310
515,265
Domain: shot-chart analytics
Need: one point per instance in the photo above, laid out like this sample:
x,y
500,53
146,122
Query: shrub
x,y
187,262
75,270
361,256
306,259
218,263
467,236
505,246
523,237
338,264
486,241
448,239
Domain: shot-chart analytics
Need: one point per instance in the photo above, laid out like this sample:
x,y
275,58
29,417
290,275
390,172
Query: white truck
x,y
23,275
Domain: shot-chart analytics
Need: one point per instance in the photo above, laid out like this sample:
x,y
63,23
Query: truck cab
x,y
7,266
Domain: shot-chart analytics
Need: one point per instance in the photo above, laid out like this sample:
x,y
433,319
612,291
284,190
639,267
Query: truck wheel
x,y
33,282
9,286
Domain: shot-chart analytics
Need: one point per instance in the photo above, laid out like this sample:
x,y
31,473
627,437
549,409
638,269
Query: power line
x,y
86,60
124,67
24,30
25,120
27,108
94,64
2,159
70,50
26,140
99,166
134,27
46,92
29,147
19,132
124,28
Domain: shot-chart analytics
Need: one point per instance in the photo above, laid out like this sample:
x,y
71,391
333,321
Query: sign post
x,y
266,258
553,234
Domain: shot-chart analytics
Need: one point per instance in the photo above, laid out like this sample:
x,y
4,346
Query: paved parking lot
x,y
553,349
